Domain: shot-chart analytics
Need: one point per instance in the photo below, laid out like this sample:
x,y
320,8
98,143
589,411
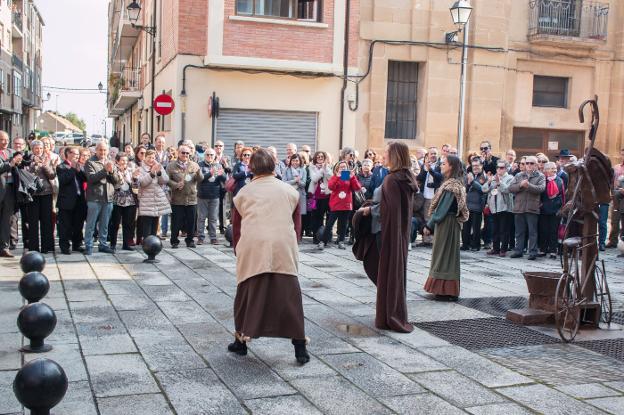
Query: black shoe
x,y
463,248
532,257
301,354
553,256
221,230
175,246
12,247
446,298
65,252
79,249
516,255
127,248
602,247
191,245
474,249
238,347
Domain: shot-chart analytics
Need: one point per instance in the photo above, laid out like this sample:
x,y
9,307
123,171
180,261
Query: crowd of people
x,y
89,193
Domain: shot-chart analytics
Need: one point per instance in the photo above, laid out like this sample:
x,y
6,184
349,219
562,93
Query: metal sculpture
x,y
40,385
34,286
582,294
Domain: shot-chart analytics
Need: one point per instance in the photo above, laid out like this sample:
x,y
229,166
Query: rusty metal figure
x,y
582,292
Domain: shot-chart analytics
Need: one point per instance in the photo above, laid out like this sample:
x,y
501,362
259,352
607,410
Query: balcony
x,y
125,38
18,31
18,63
571,23
126,90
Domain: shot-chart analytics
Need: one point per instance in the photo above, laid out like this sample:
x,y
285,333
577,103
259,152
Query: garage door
x,y
266,128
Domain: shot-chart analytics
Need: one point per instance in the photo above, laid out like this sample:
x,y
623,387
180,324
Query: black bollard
x,y
34,286
152,245
40,385
32,261
228,234
36,322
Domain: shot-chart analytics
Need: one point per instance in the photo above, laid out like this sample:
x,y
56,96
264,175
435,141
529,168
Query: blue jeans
x,y
603,216
164,224
97,212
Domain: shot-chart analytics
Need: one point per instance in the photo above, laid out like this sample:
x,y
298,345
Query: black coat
x,y
68,195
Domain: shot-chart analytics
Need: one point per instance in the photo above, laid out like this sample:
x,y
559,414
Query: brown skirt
x,y
269,305
442,287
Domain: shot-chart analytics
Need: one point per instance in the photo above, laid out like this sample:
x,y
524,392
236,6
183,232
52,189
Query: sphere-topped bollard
x,y
228,234
40,385
34,286
36,322
152,245
32,261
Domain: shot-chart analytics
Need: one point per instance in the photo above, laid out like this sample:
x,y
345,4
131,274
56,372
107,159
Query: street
x,y
139,338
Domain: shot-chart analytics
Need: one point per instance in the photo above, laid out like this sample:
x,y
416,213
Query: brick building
x,y
277,65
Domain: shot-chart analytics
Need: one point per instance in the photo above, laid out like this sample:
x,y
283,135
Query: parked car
x,y
96,138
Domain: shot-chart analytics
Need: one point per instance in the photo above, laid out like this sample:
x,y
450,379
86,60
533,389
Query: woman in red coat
x,y
342,185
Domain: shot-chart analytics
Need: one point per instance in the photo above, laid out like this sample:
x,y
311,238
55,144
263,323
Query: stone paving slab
x,y
152,339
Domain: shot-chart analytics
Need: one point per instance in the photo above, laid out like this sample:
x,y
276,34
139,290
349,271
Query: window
x,y
401,100
550,91
289,9
17,85
528,141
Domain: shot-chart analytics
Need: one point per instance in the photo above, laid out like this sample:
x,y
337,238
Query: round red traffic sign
x,y
163,104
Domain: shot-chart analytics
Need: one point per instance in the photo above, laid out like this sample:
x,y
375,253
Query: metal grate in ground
x,y
495,306
611,347
485,333
618,317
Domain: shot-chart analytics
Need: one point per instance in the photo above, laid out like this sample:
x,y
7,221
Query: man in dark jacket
x,y
475,199
208,193
8,191
71,202
489,161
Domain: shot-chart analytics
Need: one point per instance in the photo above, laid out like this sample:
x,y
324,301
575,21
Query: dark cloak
x,y
396,214
365,246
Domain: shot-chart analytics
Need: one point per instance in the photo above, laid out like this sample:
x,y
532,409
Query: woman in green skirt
x,y
448,211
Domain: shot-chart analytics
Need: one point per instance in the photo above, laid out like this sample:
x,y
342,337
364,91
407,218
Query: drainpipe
x,y
345,71
153,88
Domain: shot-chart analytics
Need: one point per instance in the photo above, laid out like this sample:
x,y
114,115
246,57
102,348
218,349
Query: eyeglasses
x,y
219,145
484,148
501,167
530,163
210,154
184,152
246,155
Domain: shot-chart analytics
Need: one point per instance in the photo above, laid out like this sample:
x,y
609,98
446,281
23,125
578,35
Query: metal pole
x,y
56,118
213,120
462,94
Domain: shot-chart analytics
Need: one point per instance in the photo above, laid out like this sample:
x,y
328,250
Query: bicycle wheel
x,y
567,310
603,295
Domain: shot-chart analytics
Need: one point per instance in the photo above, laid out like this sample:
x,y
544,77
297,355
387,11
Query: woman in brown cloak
x,y
395,216
268,297
448,211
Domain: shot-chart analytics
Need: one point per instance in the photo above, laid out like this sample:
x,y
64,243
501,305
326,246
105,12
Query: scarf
x,y
459,191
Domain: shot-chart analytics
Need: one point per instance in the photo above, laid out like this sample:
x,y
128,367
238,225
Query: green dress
x,y
444,273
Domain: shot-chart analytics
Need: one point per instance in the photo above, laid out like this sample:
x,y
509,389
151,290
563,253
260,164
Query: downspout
x,y
183,94
345,71
153,71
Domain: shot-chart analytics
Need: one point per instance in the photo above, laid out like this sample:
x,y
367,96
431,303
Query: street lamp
x,y
100,87
460,13
134,9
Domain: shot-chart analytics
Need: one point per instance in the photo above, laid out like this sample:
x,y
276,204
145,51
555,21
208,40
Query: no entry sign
x,y
163,104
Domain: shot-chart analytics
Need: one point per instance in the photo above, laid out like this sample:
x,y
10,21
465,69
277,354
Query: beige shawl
x,y
458,189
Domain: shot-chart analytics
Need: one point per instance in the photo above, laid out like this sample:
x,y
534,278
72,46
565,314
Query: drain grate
x,y
495,306
611,347
618,317
485,333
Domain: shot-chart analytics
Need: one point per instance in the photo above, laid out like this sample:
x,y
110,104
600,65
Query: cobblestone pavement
x,y
140,338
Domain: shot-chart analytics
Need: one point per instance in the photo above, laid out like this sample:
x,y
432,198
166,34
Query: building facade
x,y
277,68
274,66
530,64
21,27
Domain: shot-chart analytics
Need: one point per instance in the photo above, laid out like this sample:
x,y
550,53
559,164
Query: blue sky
x,y
74,56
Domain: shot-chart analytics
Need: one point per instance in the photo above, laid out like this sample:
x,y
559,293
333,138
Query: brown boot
x,y
6,254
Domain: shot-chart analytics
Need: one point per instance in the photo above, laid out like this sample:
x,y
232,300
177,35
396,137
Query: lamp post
x,y
134,9
460,12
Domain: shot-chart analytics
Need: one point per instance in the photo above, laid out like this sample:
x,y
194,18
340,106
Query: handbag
x,y
311,202
230,185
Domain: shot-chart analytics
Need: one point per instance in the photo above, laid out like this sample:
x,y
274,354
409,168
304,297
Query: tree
x,y
78,122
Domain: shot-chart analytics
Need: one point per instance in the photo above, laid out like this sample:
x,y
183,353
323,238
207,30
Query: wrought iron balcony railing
x,y
572,18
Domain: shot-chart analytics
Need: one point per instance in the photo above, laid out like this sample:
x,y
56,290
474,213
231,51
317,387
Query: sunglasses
x,y
246,155
529,163
184,152
501,167
484,148
210,154
218,145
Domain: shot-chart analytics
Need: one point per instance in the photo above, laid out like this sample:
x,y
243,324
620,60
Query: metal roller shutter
x,y
266,128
